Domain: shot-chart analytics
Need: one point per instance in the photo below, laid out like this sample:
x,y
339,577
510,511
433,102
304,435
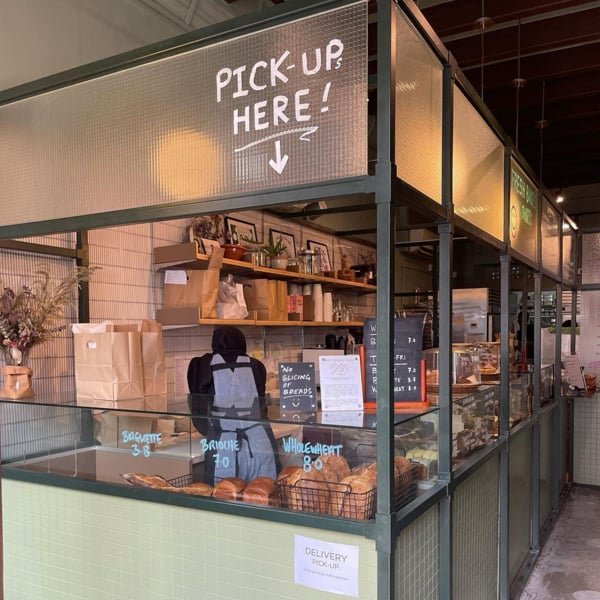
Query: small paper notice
x,y
178,277
341,384
326,566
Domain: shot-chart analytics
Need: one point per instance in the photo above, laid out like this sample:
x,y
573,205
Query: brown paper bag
x,y
261,297
17,382
200,288
115,429
108,366
153,359
282,301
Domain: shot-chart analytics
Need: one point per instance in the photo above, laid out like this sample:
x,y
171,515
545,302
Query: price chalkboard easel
x,y
409,368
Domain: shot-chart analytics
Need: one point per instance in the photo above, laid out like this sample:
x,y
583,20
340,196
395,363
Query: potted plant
x,y
30,316
277,253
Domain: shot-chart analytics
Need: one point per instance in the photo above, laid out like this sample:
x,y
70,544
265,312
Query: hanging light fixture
x,y
518,83
541,125
482,24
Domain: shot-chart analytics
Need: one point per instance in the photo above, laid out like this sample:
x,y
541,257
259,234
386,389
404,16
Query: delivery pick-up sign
x,y
292,100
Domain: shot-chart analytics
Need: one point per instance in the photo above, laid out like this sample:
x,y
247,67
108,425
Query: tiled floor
x,y
569,567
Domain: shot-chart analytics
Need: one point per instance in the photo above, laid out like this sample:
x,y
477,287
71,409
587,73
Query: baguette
x,y
142,480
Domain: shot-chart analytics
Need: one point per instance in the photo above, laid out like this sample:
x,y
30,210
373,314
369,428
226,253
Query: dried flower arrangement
x,y
31,315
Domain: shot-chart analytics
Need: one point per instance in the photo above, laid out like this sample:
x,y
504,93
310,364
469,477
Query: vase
x,y
16,376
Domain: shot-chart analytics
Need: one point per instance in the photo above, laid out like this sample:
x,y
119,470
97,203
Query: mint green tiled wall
x,y
63,544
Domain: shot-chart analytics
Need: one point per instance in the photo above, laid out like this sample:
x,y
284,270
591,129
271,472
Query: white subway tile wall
x,y
126,288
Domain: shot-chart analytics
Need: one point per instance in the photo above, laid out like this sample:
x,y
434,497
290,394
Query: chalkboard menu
x,y
408,343
297,387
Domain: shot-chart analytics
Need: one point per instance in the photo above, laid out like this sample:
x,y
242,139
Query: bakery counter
x,y
326,468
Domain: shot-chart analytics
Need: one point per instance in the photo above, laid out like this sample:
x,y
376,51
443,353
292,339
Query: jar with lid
x,y
256,256
309,261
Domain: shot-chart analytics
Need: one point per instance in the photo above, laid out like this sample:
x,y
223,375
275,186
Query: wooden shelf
x,y
188,317
184,256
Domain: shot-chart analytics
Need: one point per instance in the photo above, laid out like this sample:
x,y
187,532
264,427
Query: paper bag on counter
x,y
193,288
17,382
153,359
108,365
115,429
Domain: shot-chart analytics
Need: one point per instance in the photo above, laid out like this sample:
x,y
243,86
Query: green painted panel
x,y
475,514
417,559
69,545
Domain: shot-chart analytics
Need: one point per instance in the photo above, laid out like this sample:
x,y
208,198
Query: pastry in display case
x,y
520,398
489,360
474,421
465,368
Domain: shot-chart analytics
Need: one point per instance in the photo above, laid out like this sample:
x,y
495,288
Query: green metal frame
x,y
387,188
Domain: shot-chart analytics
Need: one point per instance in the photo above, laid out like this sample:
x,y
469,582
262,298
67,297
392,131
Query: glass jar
x,y
256,256
309,261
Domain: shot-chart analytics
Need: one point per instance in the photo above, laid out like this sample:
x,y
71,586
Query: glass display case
x,y
308,462
520,398
474,421
465,368
547,384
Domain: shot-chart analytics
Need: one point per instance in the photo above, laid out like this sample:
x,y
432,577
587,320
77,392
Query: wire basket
x,y
405,488
181,481
337,499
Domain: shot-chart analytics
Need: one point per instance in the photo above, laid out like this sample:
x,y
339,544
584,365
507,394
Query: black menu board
x,y
408,343
297,387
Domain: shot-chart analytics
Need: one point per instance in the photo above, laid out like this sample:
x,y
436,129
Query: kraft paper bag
x,y
261,296
153,359
108,366
192,288
282,301
17,382
115,429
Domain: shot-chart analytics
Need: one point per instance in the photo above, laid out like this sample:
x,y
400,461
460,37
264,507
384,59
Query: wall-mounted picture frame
x,y
288,239
323,250
208,245
238,231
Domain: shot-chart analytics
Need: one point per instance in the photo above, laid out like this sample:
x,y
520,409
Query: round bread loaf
x,y
329,473
283,483
308,491
260,491
230,488
355,498
401,464
338,463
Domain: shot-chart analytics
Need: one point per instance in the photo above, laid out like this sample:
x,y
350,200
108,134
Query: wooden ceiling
x,y
559,55
554,45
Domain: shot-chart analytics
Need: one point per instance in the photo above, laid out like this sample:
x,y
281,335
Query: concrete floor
x,y
569,566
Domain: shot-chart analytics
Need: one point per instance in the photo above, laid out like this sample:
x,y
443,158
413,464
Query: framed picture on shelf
x,y
208,245
237,231
287,238
323,250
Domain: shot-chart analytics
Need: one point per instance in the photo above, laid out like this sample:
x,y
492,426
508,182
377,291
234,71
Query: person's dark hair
x,y
229,342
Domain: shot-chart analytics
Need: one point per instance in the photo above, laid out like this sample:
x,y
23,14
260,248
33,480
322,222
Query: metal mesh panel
x,y
478,169
158,133
586,442
418,111
590,258
52,362
550,238
475,532
417,559
545,467
27,430
519,534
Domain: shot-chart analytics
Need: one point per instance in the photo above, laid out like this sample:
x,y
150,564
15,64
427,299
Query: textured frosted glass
x,y
590,258
418,111
162,132
478,169
569,253
523,228
550,238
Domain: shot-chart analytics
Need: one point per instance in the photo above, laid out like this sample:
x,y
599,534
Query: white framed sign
x,y
341,382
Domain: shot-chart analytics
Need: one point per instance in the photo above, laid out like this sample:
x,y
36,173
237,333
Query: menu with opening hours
x,y
408,344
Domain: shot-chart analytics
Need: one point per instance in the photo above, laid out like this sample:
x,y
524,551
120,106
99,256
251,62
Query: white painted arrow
x,y
280,161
